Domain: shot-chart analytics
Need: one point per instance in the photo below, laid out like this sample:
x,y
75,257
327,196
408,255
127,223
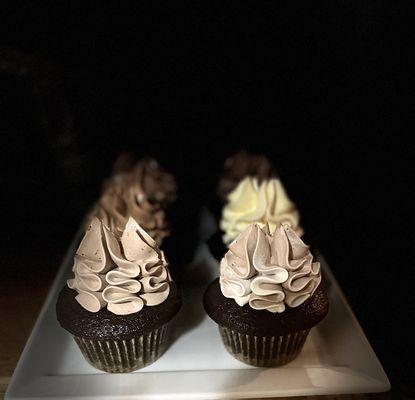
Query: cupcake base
x,y
118,343
259,337
124,355
263,351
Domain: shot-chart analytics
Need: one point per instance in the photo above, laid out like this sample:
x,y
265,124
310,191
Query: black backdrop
x,y
325,90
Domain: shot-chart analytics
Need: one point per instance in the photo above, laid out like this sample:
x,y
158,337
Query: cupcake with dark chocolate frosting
x,y
268,296
121,299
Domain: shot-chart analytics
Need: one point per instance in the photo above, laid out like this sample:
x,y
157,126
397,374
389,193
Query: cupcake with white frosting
x,y
121,298
254,202
268,296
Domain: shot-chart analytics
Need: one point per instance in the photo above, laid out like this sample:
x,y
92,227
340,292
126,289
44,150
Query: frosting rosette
x,y
123,273
122,198
253,202
269,271
141,192
121,201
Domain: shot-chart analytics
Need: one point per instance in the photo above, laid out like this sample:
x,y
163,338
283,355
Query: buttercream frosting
x,y
269,271
123,273
124,198
254,202
142,192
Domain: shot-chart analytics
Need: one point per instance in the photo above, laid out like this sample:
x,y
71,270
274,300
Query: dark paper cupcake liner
x,y
263,351
124,355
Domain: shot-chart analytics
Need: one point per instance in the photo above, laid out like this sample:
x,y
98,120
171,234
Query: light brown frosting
x,y
123,273
269,271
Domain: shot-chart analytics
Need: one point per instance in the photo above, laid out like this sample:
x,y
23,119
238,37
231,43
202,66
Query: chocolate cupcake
x,y
144,193
268,296
121,300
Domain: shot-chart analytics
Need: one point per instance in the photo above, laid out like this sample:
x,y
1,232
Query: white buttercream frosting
x,y
269,271
251,202
123,273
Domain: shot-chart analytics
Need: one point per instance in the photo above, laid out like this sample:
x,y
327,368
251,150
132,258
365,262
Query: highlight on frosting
x,y
123,273
269,271
254,202
142,192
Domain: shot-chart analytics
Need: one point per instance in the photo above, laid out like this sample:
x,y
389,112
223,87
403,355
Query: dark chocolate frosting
x,y
104,325
245,320
240,165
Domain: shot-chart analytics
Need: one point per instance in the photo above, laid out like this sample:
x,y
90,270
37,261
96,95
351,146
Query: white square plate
x,y
336,358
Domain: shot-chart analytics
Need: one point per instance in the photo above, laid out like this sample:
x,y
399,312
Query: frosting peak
x,y
254,202
124,274
269,271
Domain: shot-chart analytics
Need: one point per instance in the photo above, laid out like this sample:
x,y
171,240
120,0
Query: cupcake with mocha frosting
x,y
268,296
143,193
121,299
154,182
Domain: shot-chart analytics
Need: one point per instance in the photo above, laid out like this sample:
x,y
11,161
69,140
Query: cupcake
x,y
144,193
152,180
268,296
120,302
252,202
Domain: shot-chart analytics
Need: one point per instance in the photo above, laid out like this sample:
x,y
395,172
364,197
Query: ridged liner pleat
x,y
124,355
263,351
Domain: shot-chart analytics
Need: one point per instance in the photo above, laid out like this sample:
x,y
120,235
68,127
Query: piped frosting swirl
x,y
254,202
269,271
123,273
142,192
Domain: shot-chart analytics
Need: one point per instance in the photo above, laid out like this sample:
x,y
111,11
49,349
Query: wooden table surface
x,y
21,298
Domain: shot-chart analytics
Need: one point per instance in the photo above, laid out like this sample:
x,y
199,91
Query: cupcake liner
x,y
263,351
124,355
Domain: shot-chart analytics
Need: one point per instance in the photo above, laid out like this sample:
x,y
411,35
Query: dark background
x,y
325,90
